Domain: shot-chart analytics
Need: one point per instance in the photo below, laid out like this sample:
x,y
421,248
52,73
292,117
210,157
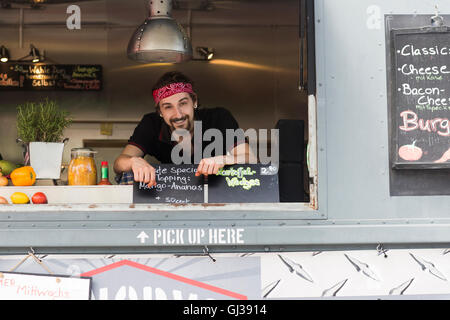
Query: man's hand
x,y
131,160
242,153
210,165
143,171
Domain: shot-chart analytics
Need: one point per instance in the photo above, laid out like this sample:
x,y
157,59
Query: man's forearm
x,y
122,163
240,154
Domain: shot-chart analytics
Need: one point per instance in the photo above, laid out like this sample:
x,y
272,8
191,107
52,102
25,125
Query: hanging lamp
x,y
160,38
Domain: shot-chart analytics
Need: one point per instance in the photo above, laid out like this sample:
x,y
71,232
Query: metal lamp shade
x,y
4,54
160,39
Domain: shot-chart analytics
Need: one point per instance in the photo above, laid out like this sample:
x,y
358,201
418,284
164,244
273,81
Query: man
x,y
176,110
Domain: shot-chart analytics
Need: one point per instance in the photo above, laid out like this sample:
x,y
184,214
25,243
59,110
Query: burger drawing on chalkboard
x,y
410,152
445,157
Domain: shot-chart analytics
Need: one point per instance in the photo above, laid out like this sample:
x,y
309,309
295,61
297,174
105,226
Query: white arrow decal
x,y
142,236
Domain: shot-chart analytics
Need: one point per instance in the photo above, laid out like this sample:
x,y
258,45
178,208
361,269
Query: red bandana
x,y
170,90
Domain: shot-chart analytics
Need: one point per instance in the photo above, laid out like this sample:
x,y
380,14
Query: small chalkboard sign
x,y
420,98
246,183
15,76
175,184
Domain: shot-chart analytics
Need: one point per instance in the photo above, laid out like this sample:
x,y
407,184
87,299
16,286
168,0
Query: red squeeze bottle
x,y
105,174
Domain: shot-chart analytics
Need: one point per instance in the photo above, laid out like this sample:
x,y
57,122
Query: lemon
x,y
19,198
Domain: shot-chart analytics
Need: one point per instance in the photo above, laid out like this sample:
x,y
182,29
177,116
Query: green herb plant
x,y
41,121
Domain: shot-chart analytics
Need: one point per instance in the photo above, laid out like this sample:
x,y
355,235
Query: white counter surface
x,y
119,198
114,194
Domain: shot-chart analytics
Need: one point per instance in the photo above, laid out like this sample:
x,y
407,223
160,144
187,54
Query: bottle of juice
x,y
105,174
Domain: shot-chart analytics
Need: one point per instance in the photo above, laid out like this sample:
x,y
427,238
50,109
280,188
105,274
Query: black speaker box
x,y
291,140
290,181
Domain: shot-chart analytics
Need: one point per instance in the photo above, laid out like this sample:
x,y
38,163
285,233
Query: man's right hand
x,y
143,171
131,159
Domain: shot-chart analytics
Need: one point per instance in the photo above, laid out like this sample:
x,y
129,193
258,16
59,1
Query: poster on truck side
x,y
24,286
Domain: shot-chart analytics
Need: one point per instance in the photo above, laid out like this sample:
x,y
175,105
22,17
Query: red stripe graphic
x,y
167,275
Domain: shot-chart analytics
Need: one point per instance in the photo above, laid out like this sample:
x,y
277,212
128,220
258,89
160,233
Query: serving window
x,y
263,73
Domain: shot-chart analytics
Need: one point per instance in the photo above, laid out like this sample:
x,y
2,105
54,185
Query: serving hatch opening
x,y
264,74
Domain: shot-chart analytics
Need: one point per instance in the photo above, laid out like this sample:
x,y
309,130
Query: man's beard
x,y
182,134
187,124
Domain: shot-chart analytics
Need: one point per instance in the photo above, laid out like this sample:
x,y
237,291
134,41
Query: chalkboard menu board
x,y
246,183
420,106
175,184
15,76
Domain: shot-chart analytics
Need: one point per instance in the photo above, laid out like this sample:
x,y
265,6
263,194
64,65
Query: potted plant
x,y
40,127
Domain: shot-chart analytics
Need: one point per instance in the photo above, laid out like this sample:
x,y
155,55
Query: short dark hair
x,y
173,77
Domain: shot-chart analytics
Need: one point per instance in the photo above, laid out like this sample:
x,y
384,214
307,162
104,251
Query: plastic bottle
x,y
105,174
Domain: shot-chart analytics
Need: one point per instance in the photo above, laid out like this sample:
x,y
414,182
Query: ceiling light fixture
x,y
206,53
4,54
160,38
34,54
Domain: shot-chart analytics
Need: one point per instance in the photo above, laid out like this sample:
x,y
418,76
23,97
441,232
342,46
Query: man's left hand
x,y
210,165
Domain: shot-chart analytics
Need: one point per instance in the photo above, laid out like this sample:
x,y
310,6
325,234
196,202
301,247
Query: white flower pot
x,y
46,158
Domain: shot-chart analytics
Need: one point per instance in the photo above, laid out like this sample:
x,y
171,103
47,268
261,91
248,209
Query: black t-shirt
x,y
153,137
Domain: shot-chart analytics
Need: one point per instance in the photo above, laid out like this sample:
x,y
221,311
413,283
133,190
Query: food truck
x,y
351,96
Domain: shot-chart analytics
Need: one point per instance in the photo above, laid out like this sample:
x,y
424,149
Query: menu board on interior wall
x,y
175,184
420,105
16,76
